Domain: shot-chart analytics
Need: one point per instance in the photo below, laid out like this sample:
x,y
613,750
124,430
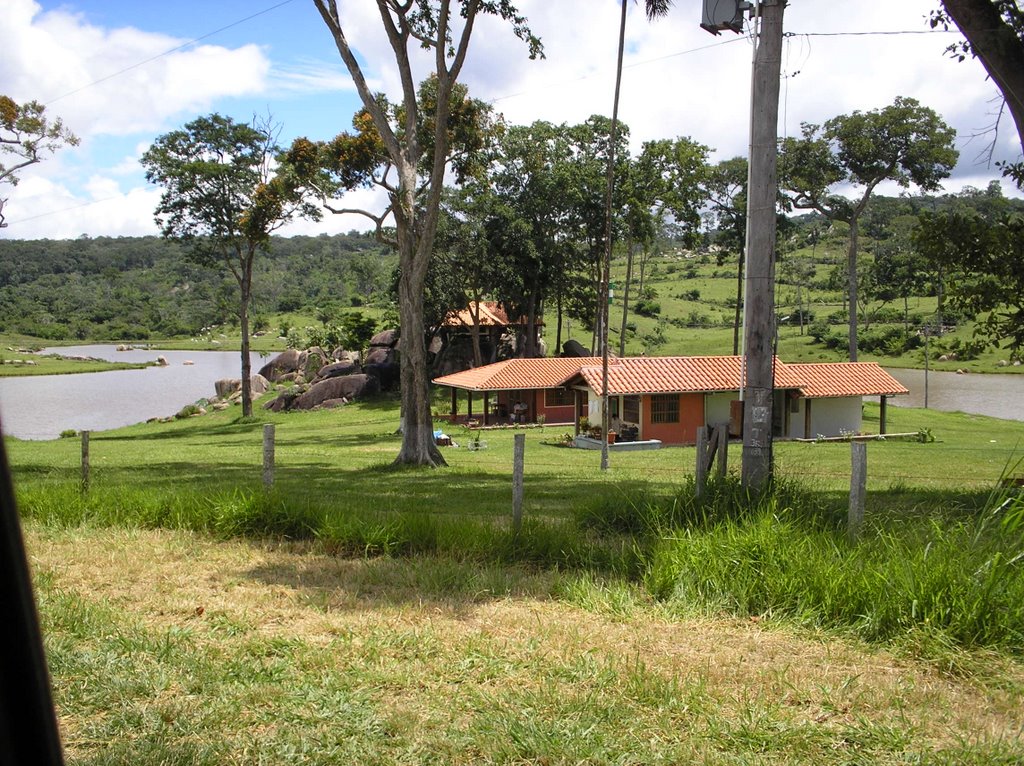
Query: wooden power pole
x,y
762,193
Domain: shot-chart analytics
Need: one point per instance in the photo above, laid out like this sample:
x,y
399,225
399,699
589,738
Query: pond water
x,y
41,406
1000,396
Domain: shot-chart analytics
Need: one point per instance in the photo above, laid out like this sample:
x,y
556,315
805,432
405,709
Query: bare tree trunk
x,y
851,288
530,343
474,331
558,335
245,289
625,299
418,447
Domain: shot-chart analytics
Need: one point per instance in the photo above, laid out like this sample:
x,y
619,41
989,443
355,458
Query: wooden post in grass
x,y
722,439
702,460
858,488
268,455
85,461
518,454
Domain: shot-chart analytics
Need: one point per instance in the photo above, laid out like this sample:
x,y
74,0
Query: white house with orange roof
x,y
669,398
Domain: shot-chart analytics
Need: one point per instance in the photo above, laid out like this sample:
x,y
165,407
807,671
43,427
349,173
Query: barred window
x,y
559,397
665,408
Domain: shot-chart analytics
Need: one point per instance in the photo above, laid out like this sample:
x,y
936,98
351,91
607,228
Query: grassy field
x,y
358,611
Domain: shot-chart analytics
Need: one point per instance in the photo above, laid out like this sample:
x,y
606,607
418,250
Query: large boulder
x,y
348,387
381,355
284,400
341,355
388,375
226,387
336,370
311,361
388,338
284,363
574,348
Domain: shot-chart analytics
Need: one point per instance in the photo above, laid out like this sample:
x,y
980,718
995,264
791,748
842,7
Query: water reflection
x,y
997,395
41,406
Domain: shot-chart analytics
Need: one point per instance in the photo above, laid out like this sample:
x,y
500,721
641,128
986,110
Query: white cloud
x,y
92,76
43,209
678,81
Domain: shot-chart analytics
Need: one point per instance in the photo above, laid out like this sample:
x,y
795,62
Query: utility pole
x,y
762,193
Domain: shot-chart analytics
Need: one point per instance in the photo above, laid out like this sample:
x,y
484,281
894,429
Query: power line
x,y
168,52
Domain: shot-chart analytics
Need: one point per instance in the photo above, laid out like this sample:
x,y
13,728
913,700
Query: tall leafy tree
x,y
27,135
416,143
727,210
904,142
222,199
665,180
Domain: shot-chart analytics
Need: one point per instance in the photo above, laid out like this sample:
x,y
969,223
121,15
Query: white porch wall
x,y
716,407
830,417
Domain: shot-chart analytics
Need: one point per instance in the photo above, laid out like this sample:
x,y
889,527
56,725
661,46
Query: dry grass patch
x,y
168,645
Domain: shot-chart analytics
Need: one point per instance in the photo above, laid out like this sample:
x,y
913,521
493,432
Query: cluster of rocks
x,y
321,380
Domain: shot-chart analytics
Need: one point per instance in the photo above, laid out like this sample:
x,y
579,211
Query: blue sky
x,y
121,73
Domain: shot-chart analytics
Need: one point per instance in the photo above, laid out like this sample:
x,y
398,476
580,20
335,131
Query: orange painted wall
x,y
691,417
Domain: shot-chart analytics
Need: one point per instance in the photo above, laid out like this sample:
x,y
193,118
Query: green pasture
x,y
356,610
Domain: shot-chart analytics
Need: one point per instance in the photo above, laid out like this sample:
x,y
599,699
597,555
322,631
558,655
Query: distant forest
x,y
135,288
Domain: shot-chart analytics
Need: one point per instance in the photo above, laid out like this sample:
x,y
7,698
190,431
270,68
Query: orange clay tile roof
x,y
517,374
491,315
846,379
668,374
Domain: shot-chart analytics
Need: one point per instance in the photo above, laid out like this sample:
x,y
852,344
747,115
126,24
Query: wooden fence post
x,y
85,461
722,439
268,455
702,461
518,455
858,488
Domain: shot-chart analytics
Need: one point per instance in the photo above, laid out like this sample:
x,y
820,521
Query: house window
x,y
631,409
559,397
665,408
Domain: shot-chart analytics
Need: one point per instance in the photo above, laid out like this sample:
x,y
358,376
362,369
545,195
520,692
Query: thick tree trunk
x,y
243,322
998,48
474,331
418,447
530,341
851,286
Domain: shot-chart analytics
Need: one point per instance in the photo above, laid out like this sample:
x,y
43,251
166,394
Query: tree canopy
x,y
905,142
222,199
27,135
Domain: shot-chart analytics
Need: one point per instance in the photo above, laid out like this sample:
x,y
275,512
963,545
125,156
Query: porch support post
x,y
469,406
455,404
487,405
576,411
884,401
807,418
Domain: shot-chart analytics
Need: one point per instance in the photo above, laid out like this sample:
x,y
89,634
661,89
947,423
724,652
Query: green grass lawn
x,y
359,611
